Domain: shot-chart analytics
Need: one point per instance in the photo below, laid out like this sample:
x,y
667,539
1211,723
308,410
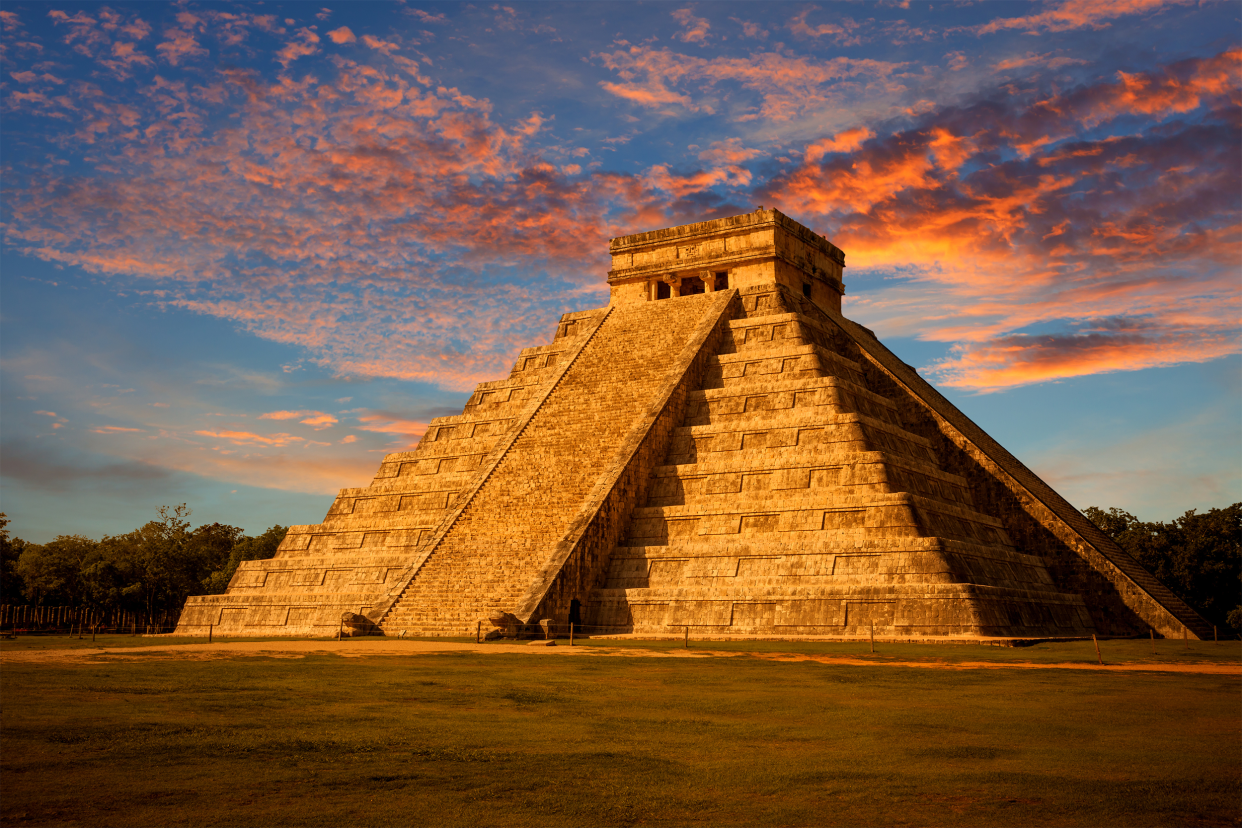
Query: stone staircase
x,y
496,547
793,501
370,534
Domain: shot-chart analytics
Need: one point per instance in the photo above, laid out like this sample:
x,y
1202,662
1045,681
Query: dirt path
x,y
371,649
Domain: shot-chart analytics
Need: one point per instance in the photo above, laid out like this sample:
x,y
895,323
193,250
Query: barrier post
x,y
1098,657
872,636
571,633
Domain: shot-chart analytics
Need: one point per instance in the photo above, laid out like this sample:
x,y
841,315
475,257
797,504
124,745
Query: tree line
x,y
1197,556
146,574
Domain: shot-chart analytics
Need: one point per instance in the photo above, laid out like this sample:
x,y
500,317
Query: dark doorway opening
x,y
662,290
692,285
722,281
806,291
575,613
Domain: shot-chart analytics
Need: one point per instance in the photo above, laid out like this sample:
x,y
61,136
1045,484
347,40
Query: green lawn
x,y
525,739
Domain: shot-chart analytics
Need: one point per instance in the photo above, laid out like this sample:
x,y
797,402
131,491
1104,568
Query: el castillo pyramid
x,y
717,450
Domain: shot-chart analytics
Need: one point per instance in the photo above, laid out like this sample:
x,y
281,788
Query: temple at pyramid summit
x,y
718,452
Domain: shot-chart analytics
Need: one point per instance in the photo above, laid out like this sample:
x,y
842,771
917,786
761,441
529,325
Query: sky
x,y
249,248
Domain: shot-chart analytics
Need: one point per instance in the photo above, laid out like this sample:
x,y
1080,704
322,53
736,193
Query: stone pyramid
x,y
717,450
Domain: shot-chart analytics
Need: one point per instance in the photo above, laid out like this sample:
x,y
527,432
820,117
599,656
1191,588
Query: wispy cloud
x,y
786,86
1076,14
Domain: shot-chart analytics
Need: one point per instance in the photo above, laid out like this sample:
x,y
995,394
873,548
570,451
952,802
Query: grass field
x,y
528,739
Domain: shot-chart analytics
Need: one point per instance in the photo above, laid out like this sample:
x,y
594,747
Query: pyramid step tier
x,y
713,566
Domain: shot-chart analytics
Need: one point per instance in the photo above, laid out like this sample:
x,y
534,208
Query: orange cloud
x,y
319,421
1076,14
246,438
846,141
380,45
385,423
1020,360
1032,59
294,49
660,178
341,35
283,415
842,33
316,419
729,152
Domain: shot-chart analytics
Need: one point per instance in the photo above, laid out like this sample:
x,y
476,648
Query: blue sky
x,y
250,248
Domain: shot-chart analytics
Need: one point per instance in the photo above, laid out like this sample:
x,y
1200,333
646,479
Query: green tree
x,y
51,572
258,548
156,562
11,587
1198,556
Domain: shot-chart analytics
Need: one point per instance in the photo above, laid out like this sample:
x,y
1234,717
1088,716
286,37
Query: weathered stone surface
x,y
718,449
